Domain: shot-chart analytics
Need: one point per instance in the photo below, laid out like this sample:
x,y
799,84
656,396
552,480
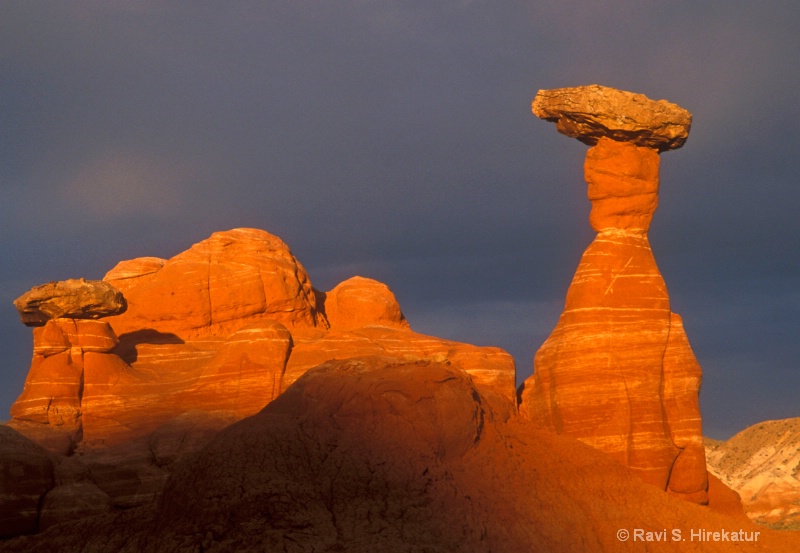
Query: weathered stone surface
x,y
72,501
130,406
246,372
186,434
376,429
723,499
221,296
591,112
599,376
59,335
215,287
238,375
134,268
622,185
128,482
682,377
50,338
212,330
26,474
202,368
74,298
762,463
49,408
359,302
618,372
381,454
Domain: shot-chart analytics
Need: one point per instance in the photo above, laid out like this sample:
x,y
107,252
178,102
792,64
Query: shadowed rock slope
x,y
379,454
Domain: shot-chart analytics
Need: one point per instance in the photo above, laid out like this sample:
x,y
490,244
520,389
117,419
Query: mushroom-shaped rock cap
x,y
73,299
591,112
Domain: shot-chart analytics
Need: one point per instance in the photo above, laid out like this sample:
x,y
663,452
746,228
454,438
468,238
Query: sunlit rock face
x,y
49,408
358,302
209,337
211,289
221,328
67,331
491,368
623,186
618,372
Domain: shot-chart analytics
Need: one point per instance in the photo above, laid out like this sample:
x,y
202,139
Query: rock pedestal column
x,y
617,372
67,336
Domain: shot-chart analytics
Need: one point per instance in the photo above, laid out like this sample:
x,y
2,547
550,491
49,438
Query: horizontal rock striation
x,y
492,369
49,408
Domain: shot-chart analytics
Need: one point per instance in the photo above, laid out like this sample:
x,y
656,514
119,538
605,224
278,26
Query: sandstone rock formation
x,y
209,337
216,286
73,299
492,369
49,408
234,407
589,113
618,372
359,302
377,454
762,463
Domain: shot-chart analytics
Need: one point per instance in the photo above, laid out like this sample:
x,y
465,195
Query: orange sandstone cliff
x,y
132,373
617,372
222,329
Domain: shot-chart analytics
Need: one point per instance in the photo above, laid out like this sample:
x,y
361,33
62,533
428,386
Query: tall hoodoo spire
x,y
618,372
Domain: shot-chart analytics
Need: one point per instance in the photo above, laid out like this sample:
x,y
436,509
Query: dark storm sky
x,y
395,140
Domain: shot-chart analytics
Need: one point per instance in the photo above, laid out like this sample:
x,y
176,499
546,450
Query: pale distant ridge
x,y
762,463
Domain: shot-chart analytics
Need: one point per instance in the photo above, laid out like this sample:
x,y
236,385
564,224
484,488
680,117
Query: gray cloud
x,y
394,139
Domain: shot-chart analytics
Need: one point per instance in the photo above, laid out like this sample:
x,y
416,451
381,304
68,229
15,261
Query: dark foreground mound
x,y
378,454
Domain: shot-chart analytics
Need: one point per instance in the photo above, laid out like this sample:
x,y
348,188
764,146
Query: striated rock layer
x,y
618,372
49,409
